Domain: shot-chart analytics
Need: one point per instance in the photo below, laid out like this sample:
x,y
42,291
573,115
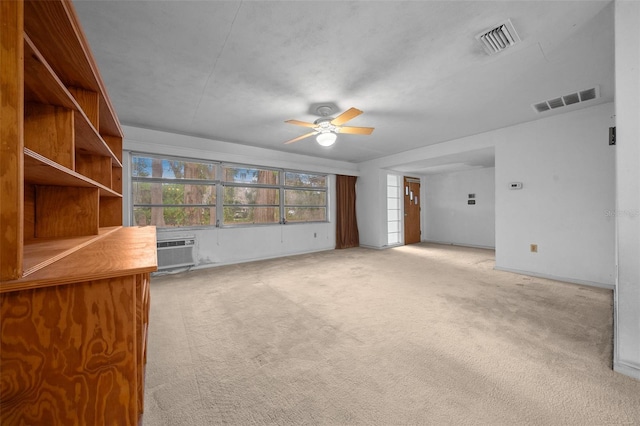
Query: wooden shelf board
x,y
109,125
50,26
89,141
39,253
121,252
41,83
53,24
40,170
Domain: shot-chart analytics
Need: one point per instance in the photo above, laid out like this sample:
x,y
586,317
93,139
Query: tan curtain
x,y
346,224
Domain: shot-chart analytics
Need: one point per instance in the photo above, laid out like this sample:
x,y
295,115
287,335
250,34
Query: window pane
x,y
393,227
250,175
305,198
166,217
151,167
393,238
305,180
244,195
173,193
306,214
249,215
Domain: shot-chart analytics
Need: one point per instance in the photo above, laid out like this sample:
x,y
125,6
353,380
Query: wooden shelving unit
x,y
74,283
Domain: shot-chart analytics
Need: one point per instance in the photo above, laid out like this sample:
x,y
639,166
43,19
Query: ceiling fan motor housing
x,y
325,126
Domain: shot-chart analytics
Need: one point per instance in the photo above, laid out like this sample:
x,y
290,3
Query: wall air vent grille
x,y
587,95
499,38
556,103
566,100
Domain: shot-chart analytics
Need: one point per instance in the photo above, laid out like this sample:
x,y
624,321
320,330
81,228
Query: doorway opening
x,y
412,232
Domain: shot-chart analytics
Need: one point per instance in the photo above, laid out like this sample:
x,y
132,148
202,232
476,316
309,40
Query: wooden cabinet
x,y
74,283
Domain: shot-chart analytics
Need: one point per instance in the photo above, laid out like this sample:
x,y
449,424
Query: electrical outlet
x,y
315,235
534,248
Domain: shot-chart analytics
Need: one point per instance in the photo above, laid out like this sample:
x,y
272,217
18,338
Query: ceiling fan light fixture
x,y
326,139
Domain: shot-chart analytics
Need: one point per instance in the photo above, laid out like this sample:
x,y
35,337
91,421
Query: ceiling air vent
x,y
499,38
566,100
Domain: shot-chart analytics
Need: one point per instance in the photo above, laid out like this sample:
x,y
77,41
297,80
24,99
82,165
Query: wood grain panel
x,y
110,211
49,131
129,250
29,214
41,84
73,304
89,141
116,179
42,252
54,28
40,170
88,101
142,321
11,142
109,124
69,355
95,167
66,211
115,143
53,31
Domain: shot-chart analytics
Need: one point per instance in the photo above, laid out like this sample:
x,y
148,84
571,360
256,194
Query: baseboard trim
x,y
557,278
254,259
376,247
627,369
446,243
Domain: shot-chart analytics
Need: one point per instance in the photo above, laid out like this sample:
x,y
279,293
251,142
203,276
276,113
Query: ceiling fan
x,y
327,128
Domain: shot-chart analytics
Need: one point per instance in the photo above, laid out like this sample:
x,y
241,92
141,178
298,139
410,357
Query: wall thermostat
x,y
515,185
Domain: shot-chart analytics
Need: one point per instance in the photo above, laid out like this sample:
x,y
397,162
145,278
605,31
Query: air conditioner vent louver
x,y
499,38
175,253
566,100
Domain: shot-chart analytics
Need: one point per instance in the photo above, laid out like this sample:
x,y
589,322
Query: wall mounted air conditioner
x,y
175,252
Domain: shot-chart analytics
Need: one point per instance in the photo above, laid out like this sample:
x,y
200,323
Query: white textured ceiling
x,y
236,70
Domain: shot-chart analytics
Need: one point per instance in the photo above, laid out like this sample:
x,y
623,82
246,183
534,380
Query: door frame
x,y
405,192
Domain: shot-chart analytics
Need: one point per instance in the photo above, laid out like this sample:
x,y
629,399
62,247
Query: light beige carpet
x,y
422,334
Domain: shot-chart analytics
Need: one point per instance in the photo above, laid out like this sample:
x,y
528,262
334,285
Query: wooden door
x,y
411,210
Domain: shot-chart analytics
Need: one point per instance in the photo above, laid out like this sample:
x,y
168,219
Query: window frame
x,y
230,184
172,181
221,184
286,187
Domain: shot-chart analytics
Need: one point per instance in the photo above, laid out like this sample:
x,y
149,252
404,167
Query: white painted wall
x,y
219,246
371,206
448,218
372,202
568,173
222,246
627,293
567,170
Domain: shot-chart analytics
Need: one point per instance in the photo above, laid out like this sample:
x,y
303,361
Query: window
x,y
174,192
393,209
251,195
305,197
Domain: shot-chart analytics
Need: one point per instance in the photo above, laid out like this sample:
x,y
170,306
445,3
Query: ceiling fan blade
x,y
301,137
356,130
346,116
301,123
